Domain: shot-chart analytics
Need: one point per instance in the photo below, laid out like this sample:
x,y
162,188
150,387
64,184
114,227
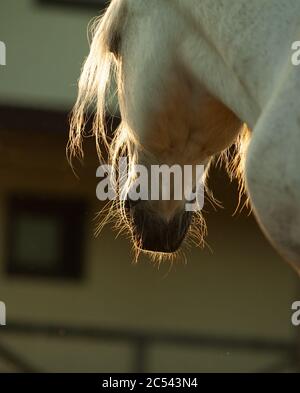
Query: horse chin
x,y
150,246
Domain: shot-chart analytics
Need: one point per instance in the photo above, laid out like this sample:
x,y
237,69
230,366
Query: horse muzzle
x,y
153,233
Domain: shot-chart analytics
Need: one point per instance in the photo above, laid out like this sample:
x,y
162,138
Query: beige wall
x,y
45,49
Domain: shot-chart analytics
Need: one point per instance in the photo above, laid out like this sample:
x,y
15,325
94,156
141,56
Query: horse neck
x,y
232,51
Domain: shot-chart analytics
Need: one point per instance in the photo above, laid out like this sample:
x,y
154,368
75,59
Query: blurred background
x,y
78,303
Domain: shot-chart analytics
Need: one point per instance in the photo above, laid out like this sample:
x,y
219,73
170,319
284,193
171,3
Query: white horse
x,y
190,73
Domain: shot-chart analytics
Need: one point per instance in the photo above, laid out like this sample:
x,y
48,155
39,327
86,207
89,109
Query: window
x,y
45,237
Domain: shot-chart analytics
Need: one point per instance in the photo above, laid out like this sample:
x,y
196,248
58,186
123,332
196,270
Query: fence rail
x,y
142,340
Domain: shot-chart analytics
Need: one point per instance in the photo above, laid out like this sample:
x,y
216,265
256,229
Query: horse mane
x,y
94,82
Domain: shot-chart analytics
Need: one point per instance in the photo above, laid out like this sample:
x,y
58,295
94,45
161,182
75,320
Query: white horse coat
x,y
239,51
244,59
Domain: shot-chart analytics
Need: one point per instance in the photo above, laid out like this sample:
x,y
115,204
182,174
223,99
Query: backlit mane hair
x,y
103,63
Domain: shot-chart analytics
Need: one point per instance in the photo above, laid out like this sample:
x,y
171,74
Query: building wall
x,y
236,287
45,47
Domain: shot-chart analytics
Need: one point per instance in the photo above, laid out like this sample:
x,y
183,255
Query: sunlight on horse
x,y
190,74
